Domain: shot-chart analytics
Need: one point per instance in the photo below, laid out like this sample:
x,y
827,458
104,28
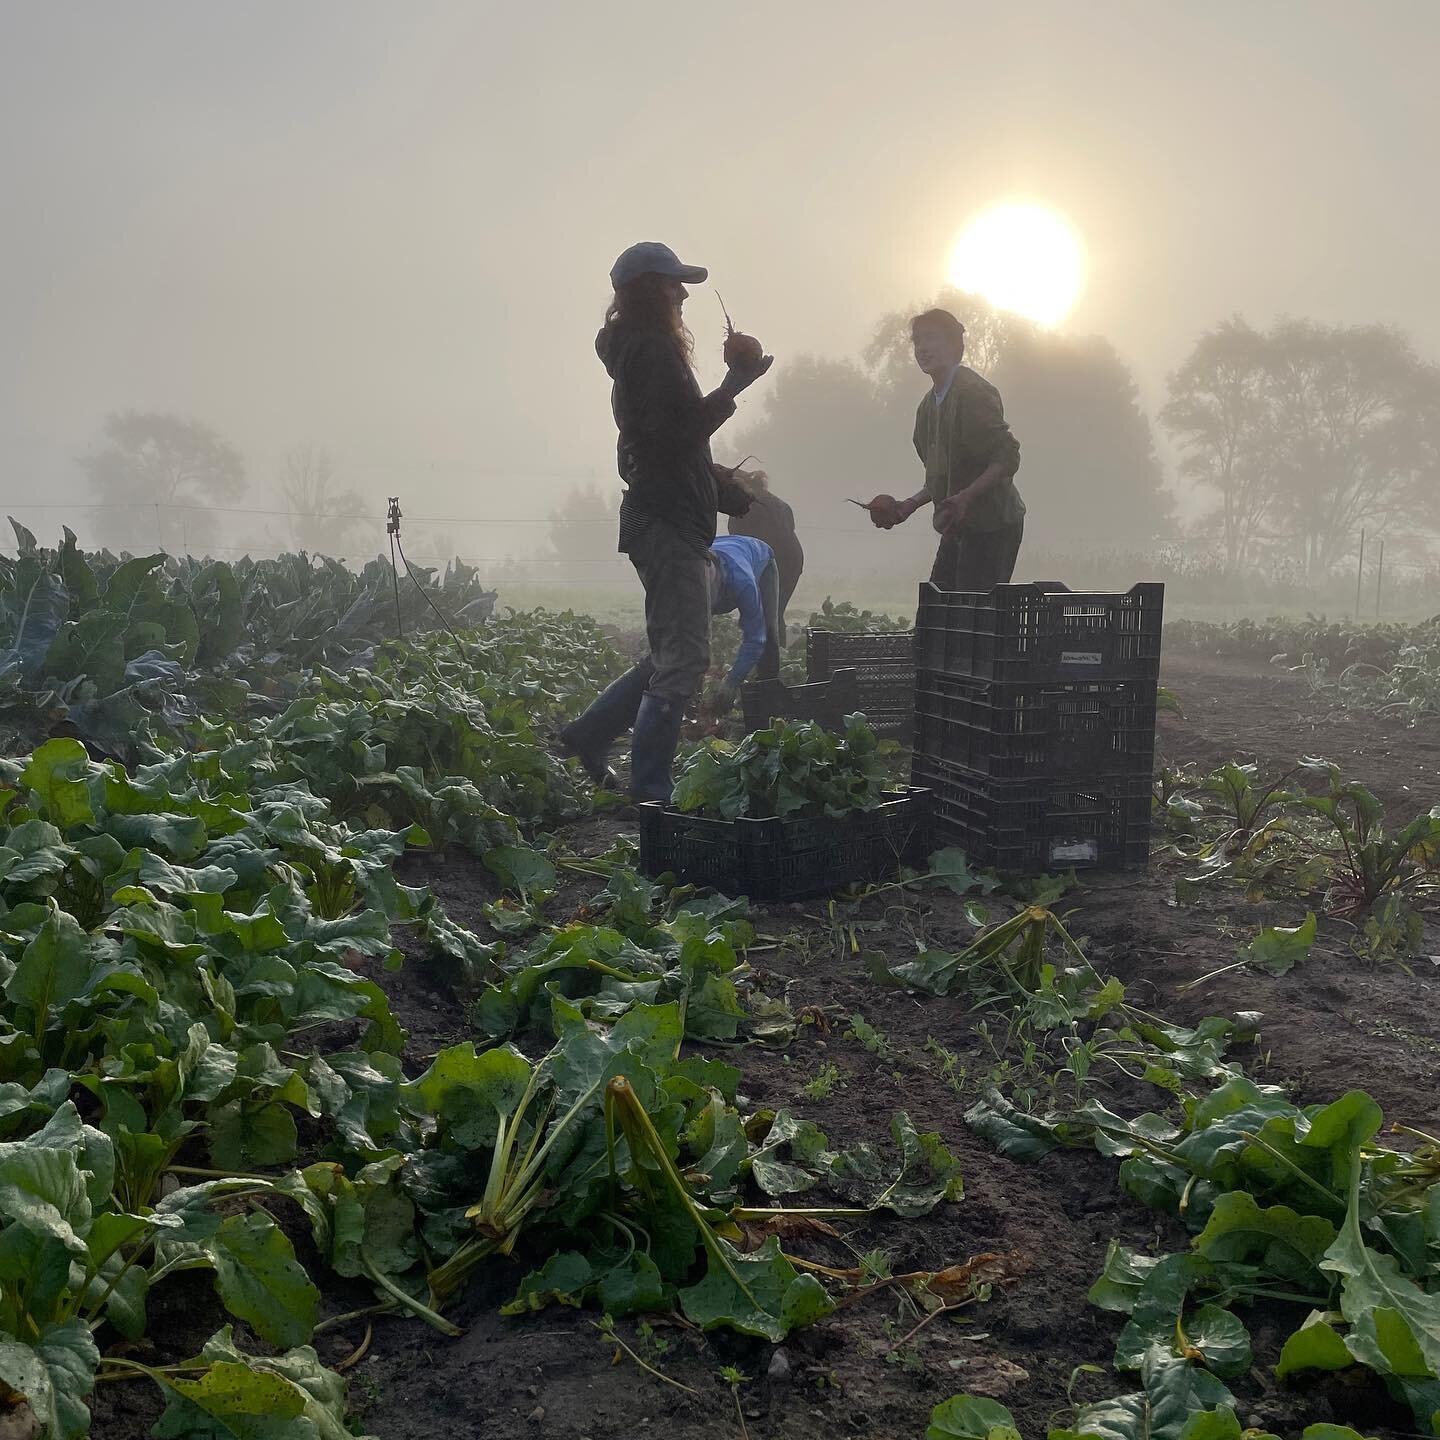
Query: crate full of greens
x,y
789,811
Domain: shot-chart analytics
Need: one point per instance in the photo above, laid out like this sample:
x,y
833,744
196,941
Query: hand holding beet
x,y
744,356
742,351
885,512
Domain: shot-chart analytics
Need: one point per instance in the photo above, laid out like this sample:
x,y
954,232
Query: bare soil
x,y
1334,1023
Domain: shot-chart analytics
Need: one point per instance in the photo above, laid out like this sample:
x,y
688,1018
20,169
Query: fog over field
x,y
366,247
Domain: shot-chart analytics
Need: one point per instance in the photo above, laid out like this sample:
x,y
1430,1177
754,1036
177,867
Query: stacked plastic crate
x,y
884,666
1035,723
827,703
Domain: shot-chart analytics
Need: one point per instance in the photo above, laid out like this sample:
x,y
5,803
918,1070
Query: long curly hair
x,y
644,304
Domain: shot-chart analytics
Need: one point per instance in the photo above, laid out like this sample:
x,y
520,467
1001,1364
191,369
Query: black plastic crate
x,y
1027,827
1048,731
771,860
1040,631
896,725
884,666
875,658
827,702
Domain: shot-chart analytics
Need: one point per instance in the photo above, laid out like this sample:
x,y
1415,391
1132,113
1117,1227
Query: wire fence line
x,y
378,518
1167,553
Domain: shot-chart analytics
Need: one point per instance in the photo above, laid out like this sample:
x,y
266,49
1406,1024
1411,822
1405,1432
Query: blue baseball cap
x,y
650,257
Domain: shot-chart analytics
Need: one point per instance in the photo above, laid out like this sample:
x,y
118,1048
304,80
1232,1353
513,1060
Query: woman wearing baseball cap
x,y
667,518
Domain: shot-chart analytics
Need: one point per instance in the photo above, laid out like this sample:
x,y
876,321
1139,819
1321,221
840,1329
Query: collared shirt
x,y
959,433
941,391
740,561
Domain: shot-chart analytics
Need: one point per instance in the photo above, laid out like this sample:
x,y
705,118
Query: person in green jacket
x,y
970,459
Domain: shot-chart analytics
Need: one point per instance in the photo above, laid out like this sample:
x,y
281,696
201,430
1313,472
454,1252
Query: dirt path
x,y
1263,713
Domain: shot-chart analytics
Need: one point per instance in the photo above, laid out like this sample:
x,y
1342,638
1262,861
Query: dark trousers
x,y
977,559
675,575
677,624
769,666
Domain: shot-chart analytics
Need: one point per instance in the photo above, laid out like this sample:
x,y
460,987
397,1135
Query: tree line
x,y
1291,439
161,477
1304,434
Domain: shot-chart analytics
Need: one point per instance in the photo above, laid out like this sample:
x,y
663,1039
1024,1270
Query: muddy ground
x,y
1332,1024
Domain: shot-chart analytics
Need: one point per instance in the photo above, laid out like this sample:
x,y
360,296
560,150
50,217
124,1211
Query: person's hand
x,y
732,496
742,375
950,513
886,512
727,697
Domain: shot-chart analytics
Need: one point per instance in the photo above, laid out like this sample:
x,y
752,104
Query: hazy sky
x,y
386,228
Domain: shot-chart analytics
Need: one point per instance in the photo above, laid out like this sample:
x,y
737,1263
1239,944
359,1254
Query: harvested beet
x,y
885,511
740,349
743,350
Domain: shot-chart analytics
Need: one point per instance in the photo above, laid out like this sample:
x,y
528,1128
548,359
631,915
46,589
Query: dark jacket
x,y
665,424
959,438
770,519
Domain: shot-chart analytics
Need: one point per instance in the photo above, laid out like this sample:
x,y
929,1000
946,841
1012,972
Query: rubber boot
x,y
652,748
589,737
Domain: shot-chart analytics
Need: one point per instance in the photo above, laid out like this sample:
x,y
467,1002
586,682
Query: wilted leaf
x,y
1279,950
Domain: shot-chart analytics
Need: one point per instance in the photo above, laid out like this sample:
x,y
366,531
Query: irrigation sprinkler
x,y
392,529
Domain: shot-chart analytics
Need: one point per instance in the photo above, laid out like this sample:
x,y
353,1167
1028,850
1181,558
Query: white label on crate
x,y
1080,657
1073,850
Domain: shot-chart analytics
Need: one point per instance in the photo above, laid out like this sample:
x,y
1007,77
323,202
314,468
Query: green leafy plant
x,y
823,1084
1368,862
847,617
876,1042
794,769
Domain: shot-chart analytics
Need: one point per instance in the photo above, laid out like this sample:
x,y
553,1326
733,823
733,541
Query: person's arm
x,y
951,514
731,496
668,412
918,501
753,632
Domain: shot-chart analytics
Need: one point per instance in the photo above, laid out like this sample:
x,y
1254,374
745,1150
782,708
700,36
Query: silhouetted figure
x,y
970,460
667,518
770,519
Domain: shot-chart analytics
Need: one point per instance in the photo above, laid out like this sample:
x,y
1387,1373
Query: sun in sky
x,y
1022,257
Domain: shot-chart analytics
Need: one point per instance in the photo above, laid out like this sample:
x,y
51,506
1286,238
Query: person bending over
x,y
770,519
745,577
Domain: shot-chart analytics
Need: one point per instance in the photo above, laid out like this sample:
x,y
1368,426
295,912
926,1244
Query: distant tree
x,y
1307,433
323,517
1218,411
583,528
1353,407
825,434
157,474
1088,468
